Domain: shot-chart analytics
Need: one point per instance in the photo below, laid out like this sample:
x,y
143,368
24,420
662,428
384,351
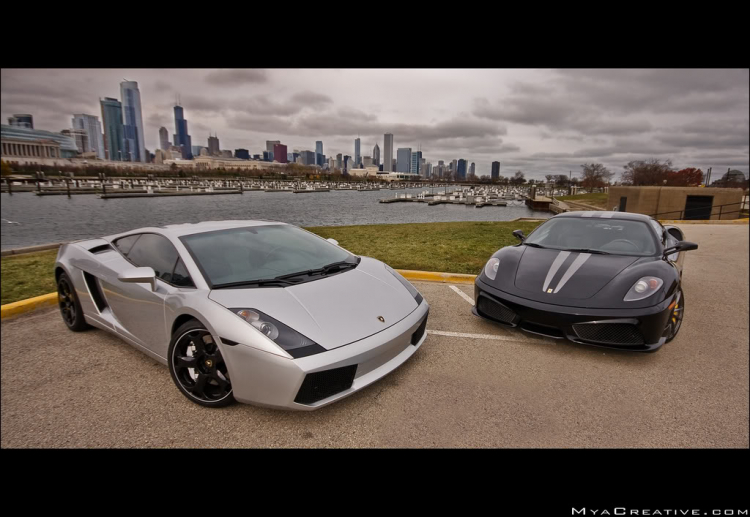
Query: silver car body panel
x,y
340,312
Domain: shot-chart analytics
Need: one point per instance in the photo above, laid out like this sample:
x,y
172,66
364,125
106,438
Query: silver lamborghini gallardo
x,y
255,311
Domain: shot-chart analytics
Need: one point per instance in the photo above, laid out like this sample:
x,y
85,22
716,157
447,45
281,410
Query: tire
x,y
70,306
674,323
206,382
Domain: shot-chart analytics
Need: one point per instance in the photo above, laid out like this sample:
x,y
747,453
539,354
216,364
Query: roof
x,y
67,143
607,214
179,230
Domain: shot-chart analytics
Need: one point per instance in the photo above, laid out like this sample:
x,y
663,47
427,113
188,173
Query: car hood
x,y
567,274
332,311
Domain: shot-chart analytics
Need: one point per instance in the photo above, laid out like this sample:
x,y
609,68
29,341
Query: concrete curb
x,y
433,276
31,249
14,309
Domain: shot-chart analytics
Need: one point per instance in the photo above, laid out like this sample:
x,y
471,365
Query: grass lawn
x,y
448,247
26,276
597,199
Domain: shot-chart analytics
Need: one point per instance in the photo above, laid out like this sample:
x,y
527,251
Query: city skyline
x,y
538,121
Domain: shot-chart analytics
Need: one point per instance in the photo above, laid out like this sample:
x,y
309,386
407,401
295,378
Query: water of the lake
x,y
28,219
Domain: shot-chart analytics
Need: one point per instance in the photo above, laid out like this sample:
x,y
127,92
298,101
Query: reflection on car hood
x,y
335,310
569,274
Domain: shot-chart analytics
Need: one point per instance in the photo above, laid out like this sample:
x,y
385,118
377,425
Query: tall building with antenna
x,y
181,137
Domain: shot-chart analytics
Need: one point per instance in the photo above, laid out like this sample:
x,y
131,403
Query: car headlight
x,y
643,288
286,337
412,290
490,270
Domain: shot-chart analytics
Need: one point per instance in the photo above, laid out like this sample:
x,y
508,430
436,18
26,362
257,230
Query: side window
x,y
125,243
658,229
181,277
156,252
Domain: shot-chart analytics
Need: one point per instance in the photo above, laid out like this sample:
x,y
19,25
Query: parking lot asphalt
x,y
471,384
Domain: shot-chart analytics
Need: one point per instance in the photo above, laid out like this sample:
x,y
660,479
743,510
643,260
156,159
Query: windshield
x,y
260,252
615,236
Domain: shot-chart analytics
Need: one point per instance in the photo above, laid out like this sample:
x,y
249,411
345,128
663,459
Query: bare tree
x,y
518,178
595,175
647,172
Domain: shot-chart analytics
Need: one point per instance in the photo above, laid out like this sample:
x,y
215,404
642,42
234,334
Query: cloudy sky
x,y
538,121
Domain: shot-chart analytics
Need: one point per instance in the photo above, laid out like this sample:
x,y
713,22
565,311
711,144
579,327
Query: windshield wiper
x,y
336,266
270,282
535,245
584,250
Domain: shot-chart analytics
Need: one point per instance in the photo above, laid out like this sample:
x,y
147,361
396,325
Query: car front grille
x,y
495,311
320,385
609,333
419,332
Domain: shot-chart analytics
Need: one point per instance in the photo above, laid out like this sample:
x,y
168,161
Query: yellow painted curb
x,y
433,276
16,308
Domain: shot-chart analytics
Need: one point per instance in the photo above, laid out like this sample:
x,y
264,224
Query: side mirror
x,y
333,241
139,275
519,235
680,246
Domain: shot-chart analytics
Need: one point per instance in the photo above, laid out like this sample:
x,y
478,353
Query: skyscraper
x,y
114,144
495,171
213,146
461,169
356,152
279,153
135,148
403,159
472,169
416,162
376,155
338,161
164,142
181,136
388,153
270,144
319,152
93,128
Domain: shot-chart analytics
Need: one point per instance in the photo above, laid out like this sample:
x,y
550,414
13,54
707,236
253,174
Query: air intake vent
x,y
96,292
495,311
321,385
101,249
609,333
419,332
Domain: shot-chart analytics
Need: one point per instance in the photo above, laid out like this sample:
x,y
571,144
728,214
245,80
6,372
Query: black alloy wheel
x,y
197,366
70,307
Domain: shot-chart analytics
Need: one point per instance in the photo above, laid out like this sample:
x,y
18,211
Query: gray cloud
x,y
236,77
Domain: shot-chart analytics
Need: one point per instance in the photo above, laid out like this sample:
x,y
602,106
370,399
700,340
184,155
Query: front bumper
x,y
620,329
269,380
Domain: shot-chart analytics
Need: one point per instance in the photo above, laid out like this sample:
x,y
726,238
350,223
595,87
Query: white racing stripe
x,y
462,294
519,338
554,267
577,263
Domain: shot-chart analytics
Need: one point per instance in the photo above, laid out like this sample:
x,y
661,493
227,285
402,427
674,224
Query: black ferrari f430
x,y
609,279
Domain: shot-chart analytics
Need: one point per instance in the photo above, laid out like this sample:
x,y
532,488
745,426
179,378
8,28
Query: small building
x,y
677,202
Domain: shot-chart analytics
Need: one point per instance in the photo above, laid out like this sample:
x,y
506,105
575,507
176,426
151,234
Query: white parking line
x,y
519,338
462,294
